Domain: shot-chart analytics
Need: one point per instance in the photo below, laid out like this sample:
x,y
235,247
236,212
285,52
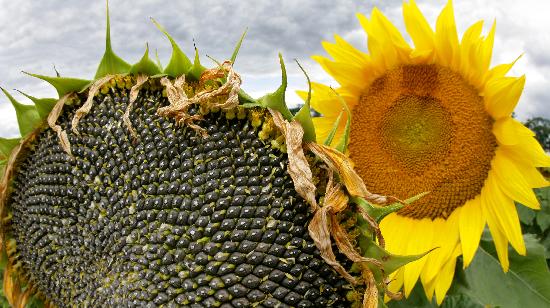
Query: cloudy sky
x,y
36,35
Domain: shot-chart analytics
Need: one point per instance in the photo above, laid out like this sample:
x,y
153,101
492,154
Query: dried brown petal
x,y
298,166
336,160
134,91
370,298
85,109
52,118
319,232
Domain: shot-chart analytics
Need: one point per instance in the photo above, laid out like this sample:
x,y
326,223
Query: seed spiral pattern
x,y
170,218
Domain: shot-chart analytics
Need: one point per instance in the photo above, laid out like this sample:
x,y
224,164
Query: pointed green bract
x,y
238,47
158,60
196,69
27,115
276,100
379,212
179,63
6,145
64,85
342,145
304,114
371,249
43,105
332,133
110,63
146,65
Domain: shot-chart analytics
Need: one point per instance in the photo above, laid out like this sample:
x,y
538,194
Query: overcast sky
x,y
36,35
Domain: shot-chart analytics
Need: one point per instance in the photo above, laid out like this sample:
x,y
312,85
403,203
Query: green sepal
x,y
64,85
146,65
43,105
248,101
304,114
276,100
238,47
369,248
196,69
7,145
110,64
379,212
27,115
342,145
179,63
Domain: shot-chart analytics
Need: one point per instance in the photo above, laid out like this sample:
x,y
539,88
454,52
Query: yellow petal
x,y
445,277
382,48
486,51
509,131
533,176
418,28
511,181
396,280
501,70
472,222
469,51
528,152
421,241
504,211
446,38
343,52
323,127
396,40
499,238
446,237
502,95
344,73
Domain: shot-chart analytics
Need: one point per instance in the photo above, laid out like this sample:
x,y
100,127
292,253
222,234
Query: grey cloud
x,y
35,35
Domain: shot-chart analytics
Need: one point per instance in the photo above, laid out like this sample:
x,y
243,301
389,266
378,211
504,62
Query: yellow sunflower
x,y
434,118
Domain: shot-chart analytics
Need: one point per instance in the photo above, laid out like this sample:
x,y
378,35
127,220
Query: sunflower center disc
x,y
423,129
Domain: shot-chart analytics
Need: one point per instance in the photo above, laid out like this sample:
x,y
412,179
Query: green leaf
x,y
196,69
526,284
332,133
543,215
304,114
27,115
526,215
64,85
146,65
276,100
7,145
43,105
179,63
238,47
110,63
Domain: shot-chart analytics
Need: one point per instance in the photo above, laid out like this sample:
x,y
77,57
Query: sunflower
x,y
434,118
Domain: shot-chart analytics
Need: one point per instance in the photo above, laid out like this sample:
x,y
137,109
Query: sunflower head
x,y
434,118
